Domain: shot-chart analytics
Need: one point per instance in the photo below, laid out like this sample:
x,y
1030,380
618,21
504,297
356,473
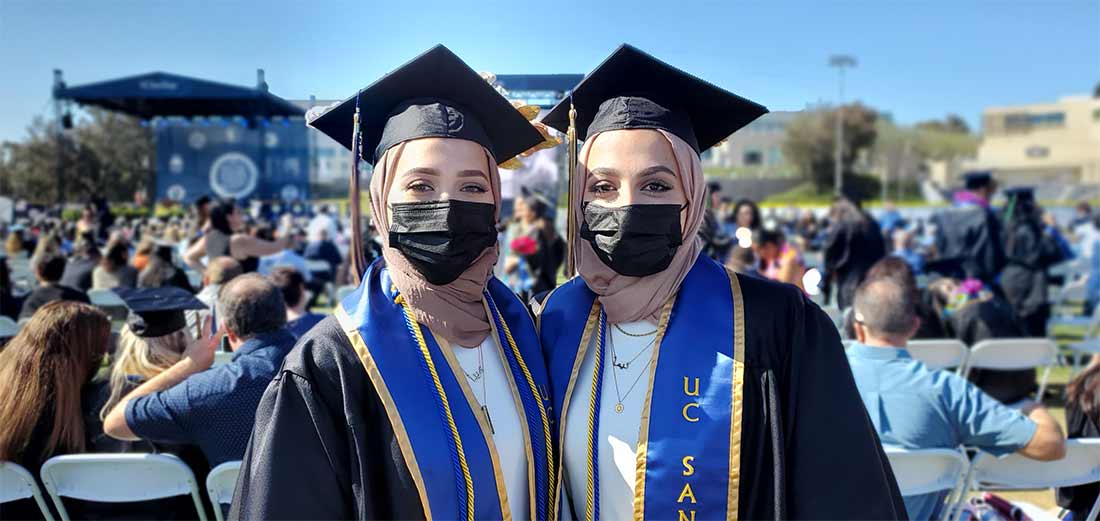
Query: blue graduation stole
x,y
689,449
444,438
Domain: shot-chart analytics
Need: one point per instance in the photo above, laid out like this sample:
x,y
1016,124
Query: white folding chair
x,y
940,353
925,471
105,298
118,478
109,302
1015,472
194,278
17,483
222,358
8,327
1074,291
1014,353
342,292
220,484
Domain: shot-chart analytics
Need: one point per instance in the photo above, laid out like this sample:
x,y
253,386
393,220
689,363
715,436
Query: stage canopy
x,y
161,94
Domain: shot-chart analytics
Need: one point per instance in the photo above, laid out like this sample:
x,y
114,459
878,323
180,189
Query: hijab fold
x,y
632,299
456,310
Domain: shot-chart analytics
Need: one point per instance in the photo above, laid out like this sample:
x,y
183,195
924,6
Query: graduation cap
x,y
157,311
632,89
1021,193
434,95
977,180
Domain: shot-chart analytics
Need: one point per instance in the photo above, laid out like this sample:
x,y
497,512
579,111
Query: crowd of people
x,y
361,412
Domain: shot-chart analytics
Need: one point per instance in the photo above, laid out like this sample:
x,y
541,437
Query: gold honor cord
x,y
542,410
571,219
593,410
446,406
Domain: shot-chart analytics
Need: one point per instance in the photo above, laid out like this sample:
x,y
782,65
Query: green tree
x,y
106,155
811,142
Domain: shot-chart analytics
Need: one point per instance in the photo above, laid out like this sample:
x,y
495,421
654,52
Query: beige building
x,y
1049,143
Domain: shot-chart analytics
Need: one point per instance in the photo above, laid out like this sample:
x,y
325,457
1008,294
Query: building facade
x,y
756,150
1048,143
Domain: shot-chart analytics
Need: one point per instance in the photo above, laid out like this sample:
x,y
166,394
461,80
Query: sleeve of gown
x,y
288,472
835,462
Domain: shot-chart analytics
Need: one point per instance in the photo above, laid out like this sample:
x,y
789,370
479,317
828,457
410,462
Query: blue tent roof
x,y
162,94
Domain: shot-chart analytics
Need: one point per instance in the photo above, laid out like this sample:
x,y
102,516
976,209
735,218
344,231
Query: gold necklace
x,y
635,335
615,377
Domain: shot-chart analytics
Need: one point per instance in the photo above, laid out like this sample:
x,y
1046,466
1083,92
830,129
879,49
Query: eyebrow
x,y
473,173
651,171
422,170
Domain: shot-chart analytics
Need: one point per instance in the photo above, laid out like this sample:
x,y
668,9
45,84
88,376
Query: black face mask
x,y
634,240
442,238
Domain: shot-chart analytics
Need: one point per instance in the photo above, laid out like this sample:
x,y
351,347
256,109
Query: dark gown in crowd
x,y
544,263
968,243
851,248
1029,252
982,320
1080,499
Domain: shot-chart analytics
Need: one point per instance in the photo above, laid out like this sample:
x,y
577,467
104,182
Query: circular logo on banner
x,y
175,164
176,192
289,193
197,140
233,175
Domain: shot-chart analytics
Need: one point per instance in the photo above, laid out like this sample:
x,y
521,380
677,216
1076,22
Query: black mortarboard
x,y
632,89
434,95
157,311
976,180
1021,193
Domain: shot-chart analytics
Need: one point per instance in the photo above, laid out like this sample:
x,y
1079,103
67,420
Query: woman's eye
x,y
420,187
601,187
476,189
656,187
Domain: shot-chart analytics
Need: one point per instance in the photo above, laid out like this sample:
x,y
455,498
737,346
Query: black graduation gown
x,y
968,243
344,462
807,448
986,319
851,248
1024,280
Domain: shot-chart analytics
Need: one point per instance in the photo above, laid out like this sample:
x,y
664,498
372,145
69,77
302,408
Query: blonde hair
x,y
143,358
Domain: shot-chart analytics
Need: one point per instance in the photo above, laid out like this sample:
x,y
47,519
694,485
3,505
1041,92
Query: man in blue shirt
x,y
190,403
915,407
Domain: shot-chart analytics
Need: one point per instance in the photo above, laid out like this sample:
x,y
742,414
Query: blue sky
x,y
917,59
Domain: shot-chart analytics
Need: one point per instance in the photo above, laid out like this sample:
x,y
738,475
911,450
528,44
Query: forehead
x,y
630,149
442,153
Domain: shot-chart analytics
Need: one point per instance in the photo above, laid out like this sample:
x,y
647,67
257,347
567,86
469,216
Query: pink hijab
x,y
630,299
454,311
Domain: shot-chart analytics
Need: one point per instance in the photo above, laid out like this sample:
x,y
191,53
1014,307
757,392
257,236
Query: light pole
x,y
840,61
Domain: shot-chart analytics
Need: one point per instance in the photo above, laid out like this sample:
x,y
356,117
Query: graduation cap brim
x,y
157,311
437,74
714,113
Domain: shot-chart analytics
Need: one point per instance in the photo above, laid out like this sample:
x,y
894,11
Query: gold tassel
x,y
571,220
358,257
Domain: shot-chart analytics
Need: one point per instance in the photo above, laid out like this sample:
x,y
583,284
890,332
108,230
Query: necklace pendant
x,y
489,419
621,365
619,408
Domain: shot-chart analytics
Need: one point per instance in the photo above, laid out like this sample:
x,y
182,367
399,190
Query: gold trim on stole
x,y
399,432
643,429
736,425
475,408
582,350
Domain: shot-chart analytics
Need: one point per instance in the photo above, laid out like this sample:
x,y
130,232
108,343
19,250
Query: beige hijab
x,y
630,299
454,311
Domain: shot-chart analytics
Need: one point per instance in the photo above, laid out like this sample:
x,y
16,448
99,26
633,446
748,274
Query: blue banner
x,y
226,158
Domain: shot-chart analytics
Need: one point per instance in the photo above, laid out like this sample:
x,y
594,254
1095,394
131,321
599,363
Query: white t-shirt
x,y
508,432
618,432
